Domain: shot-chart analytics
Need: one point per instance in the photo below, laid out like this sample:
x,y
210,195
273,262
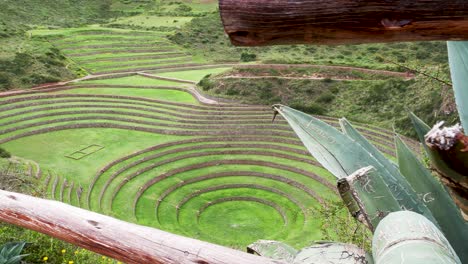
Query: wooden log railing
x,y
267,22
130,243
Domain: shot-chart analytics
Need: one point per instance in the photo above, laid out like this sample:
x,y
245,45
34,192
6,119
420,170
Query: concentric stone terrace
x,y
153,151
223,173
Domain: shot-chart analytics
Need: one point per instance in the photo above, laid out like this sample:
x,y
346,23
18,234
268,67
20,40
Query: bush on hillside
x,y
183,8
246,57
4,154
5,80
326,98
206,83
312,108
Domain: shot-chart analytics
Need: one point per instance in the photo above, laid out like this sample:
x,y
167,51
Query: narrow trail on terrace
x,y
285,77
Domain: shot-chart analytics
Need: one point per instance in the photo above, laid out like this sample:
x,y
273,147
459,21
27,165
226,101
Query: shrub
x,y
312,108
325,98
4,154
206,83
421,55
232,91
183,8
21,62
5,80
246,57
379,58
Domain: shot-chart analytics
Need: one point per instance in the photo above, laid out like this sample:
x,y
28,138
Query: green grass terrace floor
x,y
106,50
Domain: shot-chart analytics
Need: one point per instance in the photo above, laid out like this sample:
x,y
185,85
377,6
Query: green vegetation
x,y
44,249
10,253
178,96
154,138
4,154
29,62
53,13
368,97
205,36
135,80
105,50
188,169
351,159
19,176
26,61
151,21
193,75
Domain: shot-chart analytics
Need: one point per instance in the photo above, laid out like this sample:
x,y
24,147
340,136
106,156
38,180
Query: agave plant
x,y
373,186
381,194
10,253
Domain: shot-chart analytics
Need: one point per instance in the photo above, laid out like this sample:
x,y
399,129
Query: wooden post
x,y
268,22
130,243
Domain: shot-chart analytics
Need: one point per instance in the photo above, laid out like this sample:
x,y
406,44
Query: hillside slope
x,y
26,61
378,97
19,14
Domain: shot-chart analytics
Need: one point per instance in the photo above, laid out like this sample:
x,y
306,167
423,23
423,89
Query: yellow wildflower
x,y
63,251
71,262
76,252
45,258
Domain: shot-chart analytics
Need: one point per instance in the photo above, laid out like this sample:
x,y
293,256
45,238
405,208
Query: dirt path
x,y
284,77
332,67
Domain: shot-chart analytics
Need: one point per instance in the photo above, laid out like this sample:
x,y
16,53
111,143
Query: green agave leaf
x,y
4,250
367,196
394,178
458,59
338,153
408,237
16,248
273,249
343,156
10,253
352,133
436,198
15,259
422,129
324,142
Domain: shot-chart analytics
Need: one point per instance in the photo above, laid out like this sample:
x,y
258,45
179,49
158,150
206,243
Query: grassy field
x,y
193,75
135,80
170,95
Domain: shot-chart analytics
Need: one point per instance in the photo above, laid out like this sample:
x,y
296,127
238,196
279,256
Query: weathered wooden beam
x,y
130,243
268,22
